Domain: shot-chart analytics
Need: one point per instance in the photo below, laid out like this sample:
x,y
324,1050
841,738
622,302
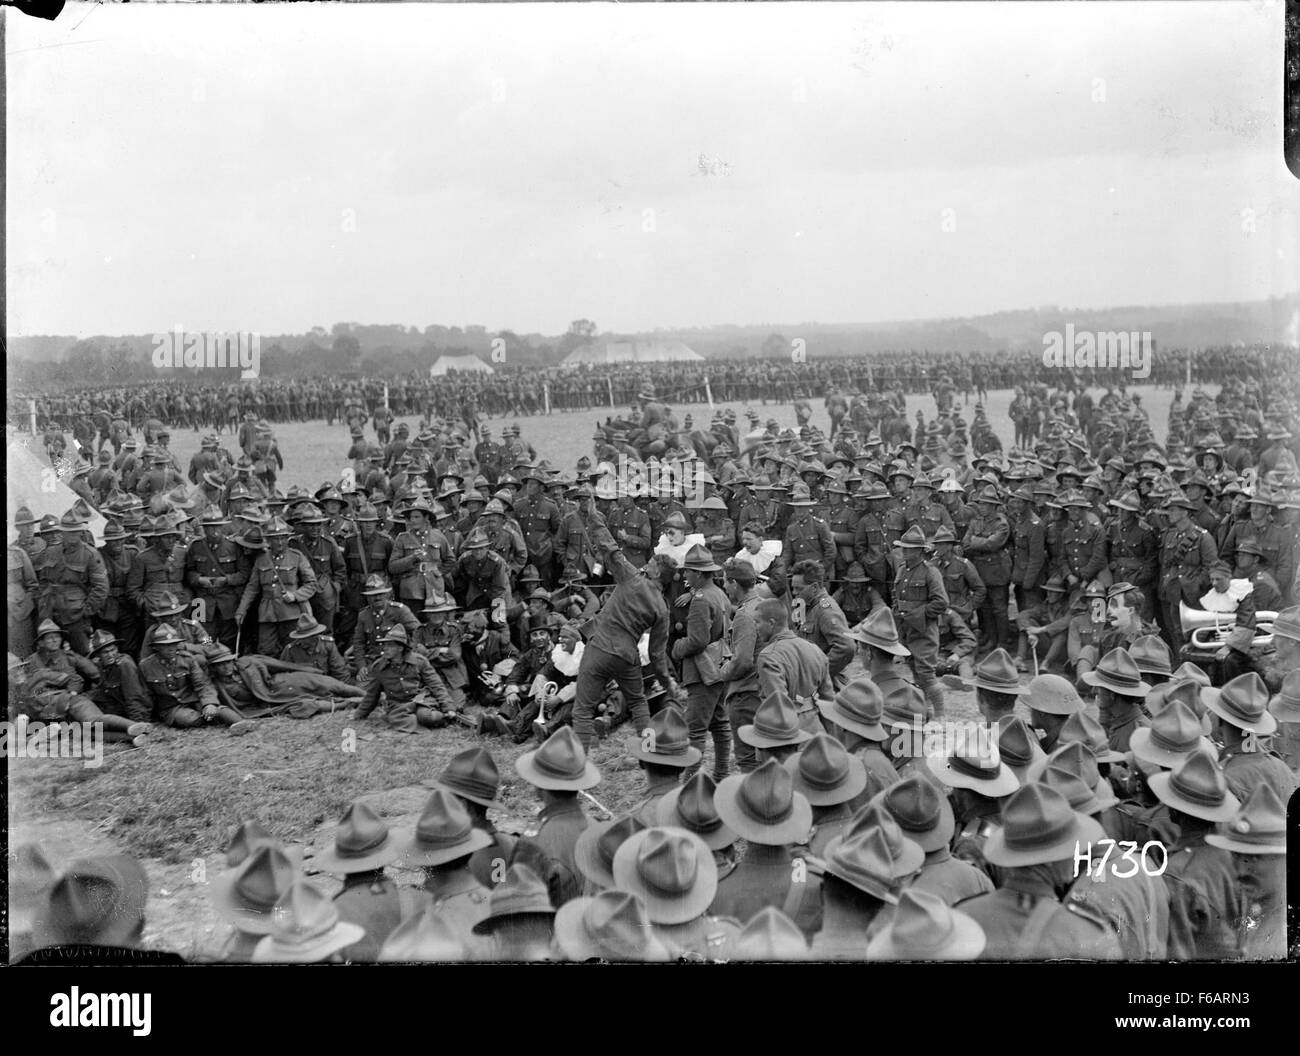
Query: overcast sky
x,y
274,168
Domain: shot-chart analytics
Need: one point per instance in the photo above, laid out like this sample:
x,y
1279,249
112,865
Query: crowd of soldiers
x,y
786,604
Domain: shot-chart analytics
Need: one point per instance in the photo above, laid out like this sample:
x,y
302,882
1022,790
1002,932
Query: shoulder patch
x,y
826,603
1077,905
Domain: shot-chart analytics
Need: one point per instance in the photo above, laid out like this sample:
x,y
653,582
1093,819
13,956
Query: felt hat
x,y
921,813
442,833
1243,702
826,773
982,772
97,901
763,806
246,895
471,774
925,928
1039,827
594,851
362,842
1118,673
769,936
522,894
307,627
858,707
30,879
560,763
1285,706
612,926
1258,827
666,742
1175,733
423,937
864,860
775,725
1196,787
671,870
305,928
1086,730
1018,746
879,630
997,672
690,806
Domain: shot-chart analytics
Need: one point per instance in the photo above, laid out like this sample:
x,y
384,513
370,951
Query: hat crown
x,y
473,771
1077,759
1071,786
1262,817
669,733
823,763
775,717
904,703
1016,743
864,859
264,876
562,756
862,700
615,835
769,936
1200,780
1245,697
998,669
923,923
766,794
1083,728
1150,654
698,557
879,628
667,862
522,891
246,838
443,822
359,831
695,807
913,803
1176,727
1036,815
302,914
913,538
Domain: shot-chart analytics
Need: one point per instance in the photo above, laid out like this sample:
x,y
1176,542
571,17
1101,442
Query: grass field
x,y
173,802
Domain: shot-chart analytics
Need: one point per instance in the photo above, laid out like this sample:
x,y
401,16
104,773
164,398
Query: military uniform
x,y
442,646
631,530
809,539
80,671
795,668
1244,771
842,519
765,878
460,901
539,519
549,847
372,626
75,589
930,516
179,689
965,589
271,577
825,625
360,559
985,545
869,549
419,563
411,687
1206,902
1023,921
1137,908
22,591
121,691
1131,555
719,534
219,565
701,657
1029,557
484,578
331,575
1083,550
1186,555
154,574
949,878
321,652
919,600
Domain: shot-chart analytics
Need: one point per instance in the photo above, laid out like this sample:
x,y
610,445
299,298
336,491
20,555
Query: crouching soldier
x,y
313,646
439,640
1044,627
49,698
415,695
120,690
956,651
178,689
1084,637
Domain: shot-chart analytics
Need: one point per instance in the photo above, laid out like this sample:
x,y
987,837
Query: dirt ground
x,y
173,802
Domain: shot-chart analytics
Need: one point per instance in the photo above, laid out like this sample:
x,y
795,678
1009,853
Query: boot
x,y
934,700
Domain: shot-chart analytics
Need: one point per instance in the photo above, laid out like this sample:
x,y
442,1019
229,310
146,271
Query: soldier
x,y
313,646
1278,549
630,526
439,639
790,668
167,612
965,589
924,511
503,538
1186,553
985,544
1132,549
818,619
212,571
76,587
53,658
1242,724
1029,548
956,652
27,540
119,613
842,520
1083,543
719,533
953,496
1086,632
422,558
326,561
283,582
120,690
854,717
179,689
919,600
539,519
1206,904
159,568
1265,592
23,588
700,652
572,539
807,537
366,551
484,576
869,540
410,685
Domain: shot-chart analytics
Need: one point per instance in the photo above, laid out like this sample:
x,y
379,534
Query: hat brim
x,y
526,767
1084,830
1162,786
1003,785
1228,843
482,801
661,909
1007,690
666,815
688,758
252,921
339,937
330,861
893,648
1212,699
1097,677
319,629
754,739
850,788
831,712
1284,711
964,943
411,854
586,856
1140,745
578,944
793,829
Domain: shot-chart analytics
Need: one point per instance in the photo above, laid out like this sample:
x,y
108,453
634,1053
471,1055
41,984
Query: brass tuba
x,y
1210,630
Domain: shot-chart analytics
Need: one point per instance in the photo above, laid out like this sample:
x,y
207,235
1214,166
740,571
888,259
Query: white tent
x,y
450,364
34,483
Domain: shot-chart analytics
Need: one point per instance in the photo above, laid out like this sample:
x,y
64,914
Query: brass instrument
x,y
1210,630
